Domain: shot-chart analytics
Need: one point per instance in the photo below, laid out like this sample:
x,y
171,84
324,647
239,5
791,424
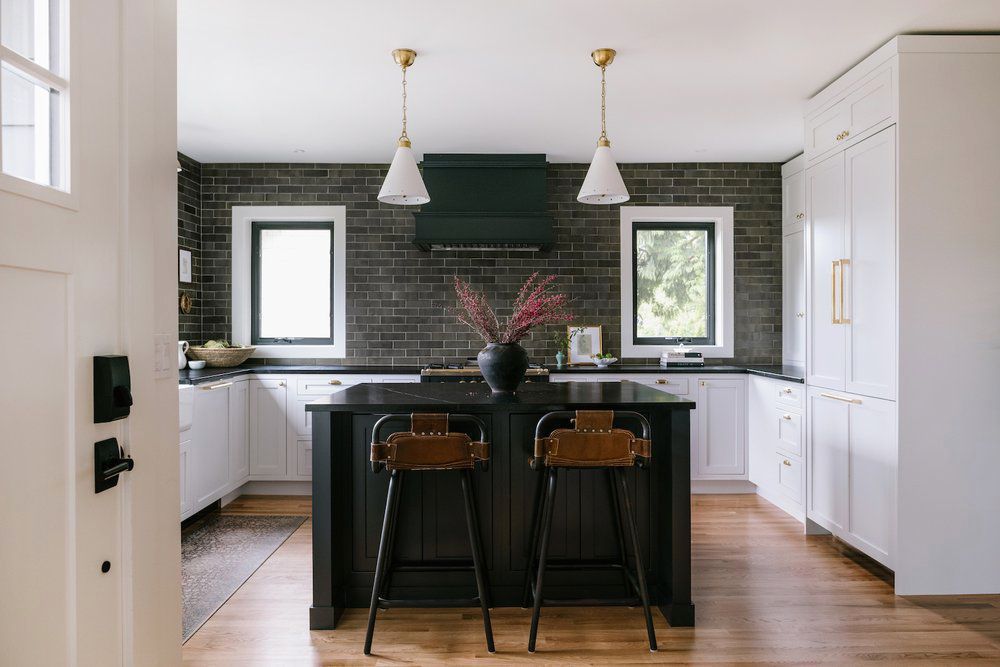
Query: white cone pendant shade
x,y
403,184
603,184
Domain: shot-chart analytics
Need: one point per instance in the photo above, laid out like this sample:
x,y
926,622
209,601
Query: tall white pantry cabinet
x,y
902,193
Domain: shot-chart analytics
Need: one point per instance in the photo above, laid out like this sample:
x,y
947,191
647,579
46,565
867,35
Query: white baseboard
x,y
722,486
287,488
789,507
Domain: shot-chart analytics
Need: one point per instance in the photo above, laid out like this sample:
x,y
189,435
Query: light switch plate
x,y
164,358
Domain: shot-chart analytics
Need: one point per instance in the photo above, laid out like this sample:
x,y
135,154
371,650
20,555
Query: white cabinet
x,y
721,437
862,109
776,442
793,298
239,416
852,271
852,469
793,198
186,503
209,452
268,430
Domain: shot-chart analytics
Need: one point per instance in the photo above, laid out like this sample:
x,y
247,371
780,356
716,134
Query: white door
x,y
239,422
210,444
721,428
825,340
793,288
872,491
870,274
87,273
827,443
267,428
793,202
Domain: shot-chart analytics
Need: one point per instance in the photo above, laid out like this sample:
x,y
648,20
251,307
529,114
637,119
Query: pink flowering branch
x,y
535,305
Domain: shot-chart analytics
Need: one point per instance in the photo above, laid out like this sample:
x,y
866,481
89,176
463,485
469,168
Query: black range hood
x,y
484,202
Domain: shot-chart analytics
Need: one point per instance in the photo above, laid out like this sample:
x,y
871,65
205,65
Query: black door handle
x,y
109,462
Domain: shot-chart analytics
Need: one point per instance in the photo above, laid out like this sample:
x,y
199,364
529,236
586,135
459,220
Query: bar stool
x,y
592,443
429,445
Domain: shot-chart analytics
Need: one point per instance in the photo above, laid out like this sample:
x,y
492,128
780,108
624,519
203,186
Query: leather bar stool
x,y
592,443
428,446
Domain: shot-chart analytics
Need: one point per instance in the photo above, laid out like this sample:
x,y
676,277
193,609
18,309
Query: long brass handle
x,y
217,386
843,318
661,382
855,401
833,291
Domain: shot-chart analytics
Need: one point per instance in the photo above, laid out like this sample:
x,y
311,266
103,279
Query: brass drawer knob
x,y
661,382
786,462
786,417
786,391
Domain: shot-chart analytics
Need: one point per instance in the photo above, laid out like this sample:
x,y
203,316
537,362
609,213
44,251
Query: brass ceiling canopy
x,y
405,57
603,57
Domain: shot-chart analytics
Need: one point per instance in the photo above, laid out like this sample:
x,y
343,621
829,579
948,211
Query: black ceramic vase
x,y
503,366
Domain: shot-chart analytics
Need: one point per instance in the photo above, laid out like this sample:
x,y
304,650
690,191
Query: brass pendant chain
x,y
604,130
403,136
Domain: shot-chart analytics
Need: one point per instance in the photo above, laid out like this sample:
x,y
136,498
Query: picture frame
x,y
585,341
184,265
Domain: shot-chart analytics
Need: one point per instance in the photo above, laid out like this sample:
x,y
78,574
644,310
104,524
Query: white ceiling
x,y
694,80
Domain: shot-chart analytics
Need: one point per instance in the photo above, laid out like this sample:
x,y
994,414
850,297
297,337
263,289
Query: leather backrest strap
x,y
429,445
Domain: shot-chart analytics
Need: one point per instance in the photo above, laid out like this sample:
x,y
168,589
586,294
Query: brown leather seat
x,y
429,445
592,443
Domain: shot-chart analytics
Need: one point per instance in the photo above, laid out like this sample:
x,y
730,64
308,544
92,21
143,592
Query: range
x,y
469,372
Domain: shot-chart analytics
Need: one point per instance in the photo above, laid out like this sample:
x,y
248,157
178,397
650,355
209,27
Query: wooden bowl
x,y
221,357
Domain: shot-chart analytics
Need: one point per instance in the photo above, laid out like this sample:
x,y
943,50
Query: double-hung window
x,y
677,280
34,92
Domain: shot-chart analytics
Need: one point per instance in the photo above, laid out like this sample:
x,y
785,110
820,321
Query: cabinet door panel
x,y
210,443
793,269
267,428
826,245
239,440
721,427
793,200
185,482
870,277
873,477
761,432
828,443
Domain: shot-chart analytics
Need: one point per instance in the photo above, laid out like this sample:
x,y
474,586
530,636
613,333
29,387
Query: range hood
x,y
484,202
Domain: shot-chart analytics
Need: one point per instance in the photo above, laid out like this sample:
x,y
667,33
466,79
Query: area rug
x,y
219,553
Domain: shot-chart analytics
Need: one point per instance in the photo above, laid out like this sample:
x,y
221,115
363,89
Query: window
x,y
677,280
291,283
289,280
673,282
33,93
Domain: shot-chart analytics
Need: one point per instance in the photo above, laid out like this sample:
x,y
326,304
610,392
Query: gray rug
x,y
219,553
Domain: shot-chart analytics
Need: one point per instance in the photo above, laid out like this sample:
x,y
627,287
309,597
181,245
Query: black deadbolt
x,y
106,566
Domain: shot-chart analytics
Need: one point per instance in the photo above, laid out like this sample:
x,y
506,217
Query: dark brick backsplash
x,y
398,297
189,238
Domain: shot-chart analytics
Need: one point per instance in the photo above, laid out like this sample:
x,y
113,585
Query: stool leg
x,y
478,561
640,572
536,528
391,546
619,533
381,561
549,502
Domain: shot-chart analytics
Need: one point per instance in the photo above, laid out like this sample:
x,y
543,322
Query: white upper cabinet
x,y
870,273
864,108
826,337
721,450
793,202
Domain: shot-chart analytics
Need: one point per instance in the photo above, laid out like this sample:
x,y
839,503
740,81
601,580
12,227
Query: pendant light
x,y
603,184
403,184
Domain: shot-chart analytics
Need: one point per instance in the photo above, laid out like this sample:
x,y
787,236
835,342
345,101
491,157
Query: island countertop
x,y
449,396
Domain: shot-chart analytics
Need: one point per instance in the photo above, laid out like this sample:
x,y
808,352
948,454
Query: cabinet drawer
x,y
791,395
672,385
863,108
789,431
321,385
790,476
304,457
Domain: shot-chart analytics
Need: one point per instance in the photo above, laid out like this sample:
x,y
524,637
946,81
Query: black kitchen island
x,y
349,499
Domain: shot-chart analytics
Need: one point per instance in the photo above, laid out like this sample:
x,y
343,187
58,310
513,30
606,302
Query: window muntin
x,y
33,93
292,274
673,283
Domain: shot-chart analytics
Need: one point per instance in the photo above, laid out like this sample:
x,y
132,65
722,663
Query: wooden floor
x,y
763,593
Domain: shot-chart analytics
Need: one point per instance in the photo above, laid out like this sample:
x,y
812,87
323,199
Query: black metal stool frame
x,y
384,565
538,561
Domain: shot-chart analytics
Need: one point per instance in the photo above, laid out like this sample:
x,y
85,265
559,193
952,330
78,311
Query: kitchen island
x,y
349,499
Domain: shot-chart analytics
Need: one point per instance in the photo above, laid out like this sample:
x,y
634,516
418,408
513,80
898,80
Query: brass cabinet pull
x,y
786,462
799,216
833,291
786,390
843,318
800,314
843,135
217,386
661,382
855,401
786,417
335,382
703,383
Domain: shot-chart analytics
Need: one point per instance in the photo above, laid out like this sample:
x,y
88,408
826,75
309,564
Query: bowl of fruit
x,y
604,360
220,353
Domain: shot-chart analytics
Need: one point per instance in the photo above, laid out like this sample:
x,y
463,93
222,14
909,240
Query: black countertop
x,y
452,396
788,373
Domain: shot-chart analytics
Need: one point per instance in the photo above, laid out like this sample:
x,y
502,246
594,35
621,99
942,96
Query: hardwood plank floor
x,y
763,591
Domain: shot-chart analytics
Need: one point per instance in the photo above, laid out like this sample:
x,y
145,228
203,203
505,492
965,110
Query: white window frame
x,y
242,219
722,216
62,195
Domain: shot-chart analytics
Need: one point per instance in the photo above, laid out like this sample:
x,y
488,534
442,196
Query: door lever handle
x,y
109,462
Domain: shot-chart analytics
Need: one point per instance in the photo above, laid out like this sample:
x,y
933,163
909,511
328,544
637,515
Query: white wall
x,y
949,331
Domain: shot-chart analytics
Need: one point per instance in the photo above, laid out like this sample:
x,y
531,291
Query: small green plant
x,y
562,338
606,355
